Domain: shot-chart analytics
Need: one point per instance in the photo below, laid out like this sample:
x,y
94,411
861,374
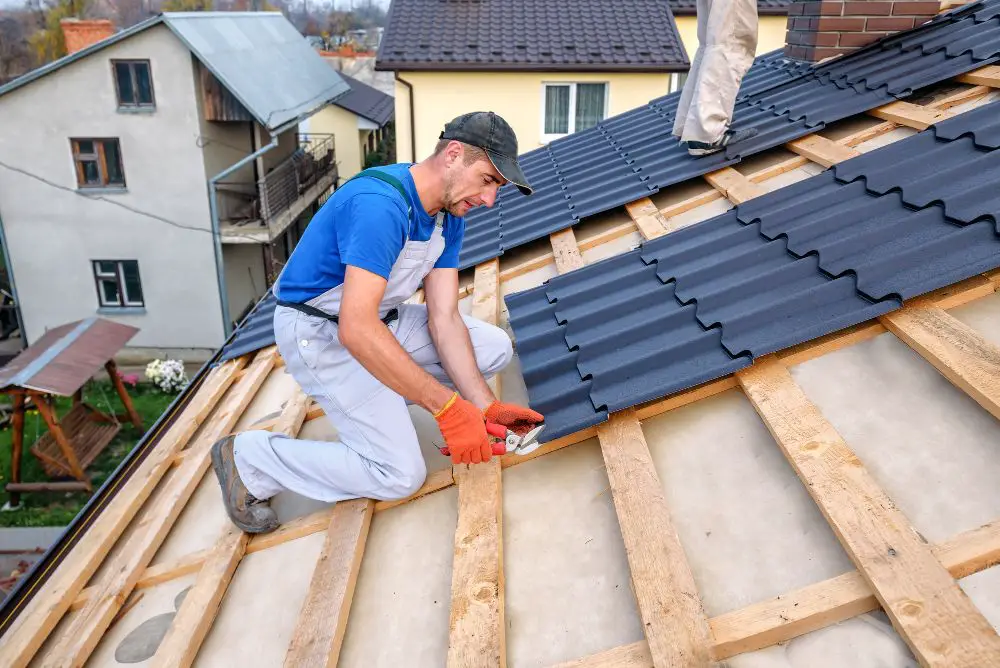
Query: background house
x,y
359,121
548,71
169,191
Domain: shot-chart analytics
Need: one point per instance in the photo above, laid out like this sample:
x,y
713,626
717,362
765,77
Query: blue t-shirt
x,y
364,225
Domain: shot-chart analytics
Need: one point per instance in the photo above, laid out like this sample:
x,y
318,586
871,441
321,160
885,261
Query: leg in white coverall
x,y
376,454
727,40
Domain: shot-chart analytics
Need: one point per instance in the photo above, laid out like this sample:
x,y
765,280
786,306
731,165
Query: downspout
x,y
413,122
216,234
13,285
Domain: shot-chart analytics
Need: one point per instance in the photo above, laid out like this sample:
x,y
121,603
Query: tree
x,y
15,57
47,43
187,6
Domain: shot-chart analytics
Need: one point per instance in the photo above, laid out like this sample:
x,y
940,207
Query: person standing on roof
x,y
727,40
351,343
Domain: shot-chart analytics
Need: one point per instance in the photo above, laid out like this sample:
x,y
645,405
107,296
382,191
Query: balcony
x,y
260,212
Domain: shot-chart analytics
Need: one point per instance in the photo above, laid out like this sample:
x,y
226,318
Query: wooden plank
x,y
930,612
673,618
684,206
36,621
81,637
984,76
733,185
476,635
810,608
821,150
190,626
476,622
48,414
319,633
909,114
565,250
648,218
201,604
960,353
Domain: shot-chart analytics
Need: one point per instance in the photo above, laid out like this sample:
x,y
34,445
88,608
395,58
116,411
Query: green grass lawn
x,y
59,508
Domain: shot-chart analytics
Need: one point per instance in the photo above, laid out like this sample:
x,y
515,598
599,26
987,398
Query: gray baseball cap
x,y
494,135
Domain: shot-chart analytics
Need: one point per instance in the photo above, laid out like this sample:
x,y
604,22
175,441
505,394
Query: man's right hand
x,y
464,431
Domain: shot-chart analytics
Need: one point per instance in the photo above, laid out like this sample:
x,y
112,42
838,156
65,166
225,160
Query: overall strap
x,y
392,181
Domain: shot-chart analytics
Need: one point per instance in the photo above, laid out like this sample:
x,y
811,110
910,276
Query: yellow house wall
x,y
343,125
770,33
516,96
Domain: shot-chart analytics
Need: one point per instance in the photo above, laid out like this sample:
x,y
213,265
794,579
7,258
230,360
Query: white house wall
x,y
245,280
54,233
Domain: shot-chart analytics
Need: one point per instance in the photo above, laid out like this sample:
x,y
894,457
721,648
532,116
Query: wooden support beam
x,y
49,415
810,608
319,633
37,620
927,608
195,617
80,638
673,619
476,636
566,252
984,76
909,114
821,150
201,604
733,185
960,353
133,414
648,218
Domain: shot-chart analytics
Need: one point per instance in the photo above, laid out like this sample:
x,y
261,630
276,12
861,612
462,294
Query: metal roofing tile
x,y
255,332
982,123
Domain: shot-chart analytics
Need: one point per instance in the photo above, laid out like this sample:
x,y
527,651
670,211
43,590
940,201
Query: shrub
x,y
168,375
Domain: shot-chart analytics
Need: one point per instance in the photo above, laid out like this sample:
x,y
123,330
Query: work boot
x,y
245,510
699,148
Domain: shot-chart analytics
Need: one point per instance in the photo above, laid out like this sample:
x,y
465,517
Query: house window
x,y
118,283
677,80
133,84
570,107
98,163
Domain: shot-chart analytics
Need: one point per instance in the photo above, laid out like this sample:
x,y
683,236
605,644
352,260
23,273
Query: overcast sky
x,y
340,4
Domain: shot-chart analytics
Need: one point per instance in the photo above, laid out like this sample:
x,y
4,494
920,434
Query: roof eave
x,y
451,66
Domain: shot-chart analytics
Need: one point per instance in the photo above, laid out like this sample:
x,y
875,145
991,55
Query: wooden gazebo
x,y
59,364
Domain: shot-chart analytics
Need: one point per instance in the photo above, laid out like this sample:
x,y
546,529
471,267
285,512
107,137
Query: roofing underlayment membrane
x,y
829,252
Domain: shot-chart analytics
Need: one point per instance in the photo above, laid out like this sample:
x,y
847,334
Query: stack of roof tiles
x,y
826,253
634,154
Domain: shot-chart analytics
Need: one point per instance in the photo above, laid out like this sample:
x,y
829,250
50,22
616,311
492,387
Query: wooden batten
x,y
218,103
927,608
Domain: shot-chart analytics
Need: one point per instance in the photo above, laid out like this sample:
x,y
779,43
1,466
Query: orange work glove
x,y
464,431
519,420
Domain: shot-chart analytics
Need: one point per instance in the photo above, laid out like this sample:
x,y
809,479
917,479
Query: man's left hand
x,y
516,418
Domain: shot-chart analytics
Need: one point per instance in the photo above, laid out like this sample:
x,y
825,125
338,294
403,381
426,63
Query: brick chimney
x,y
80,33
819,29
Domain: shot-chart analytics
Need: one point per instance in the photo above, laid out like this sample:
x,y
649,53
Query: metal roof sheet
x,y
263,60
255,332
789,266
636,154
368,102
594,35
259,56
66,357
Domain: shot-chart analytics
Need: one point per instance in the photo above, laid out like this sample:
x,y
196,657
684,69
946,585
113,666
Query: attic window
x,y
133,84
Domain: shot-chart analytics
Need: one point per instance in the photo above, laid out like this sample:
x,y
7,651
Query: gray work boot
x,y
245,510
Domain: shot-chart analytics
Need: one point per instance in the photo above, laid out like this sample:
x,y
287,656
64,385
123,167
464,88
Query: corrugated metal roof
x,y
592,35
255,332
266,63
366,101
66,357
259,56
789,266
634,154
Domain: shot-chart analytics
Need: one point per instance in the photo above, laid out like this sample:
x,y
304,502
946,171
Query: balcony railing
x,y
277,191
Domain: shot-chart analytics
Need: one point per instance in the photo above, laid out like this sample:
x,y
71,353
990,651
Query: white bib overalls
x,y
376,454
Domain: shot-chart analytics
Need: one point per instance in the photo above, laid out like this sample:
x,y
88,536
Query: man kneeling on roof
x,y
351,343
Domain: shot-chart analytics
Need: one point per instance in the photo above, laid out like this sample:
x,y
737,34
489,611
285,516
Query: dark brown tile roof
x,y
567,35
366,101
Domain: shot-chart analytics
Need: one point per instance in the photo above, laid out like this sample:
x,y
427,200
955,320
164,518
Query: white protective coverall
x,y
727,40
376,454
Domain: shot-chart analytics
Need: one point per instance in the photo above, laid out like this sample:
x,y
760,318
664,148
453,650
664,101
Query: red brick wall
x,y
79,34
818,29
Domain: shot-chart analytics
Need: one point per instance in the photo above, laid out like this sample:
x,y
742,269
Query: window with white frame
x,y
677,80
118,284
571,107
